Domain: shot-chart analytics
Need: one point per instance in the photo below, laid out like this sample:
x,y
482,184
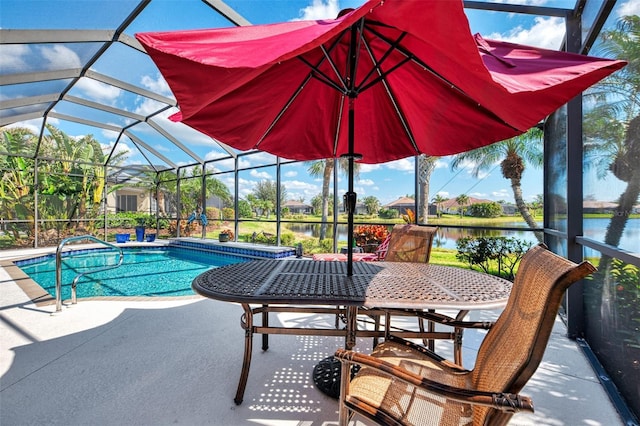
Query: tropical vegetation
x,y
513,155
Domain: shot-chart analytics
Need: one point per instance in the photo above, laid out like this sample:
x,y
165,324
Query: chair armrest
x,y
452,322
440,318
498,400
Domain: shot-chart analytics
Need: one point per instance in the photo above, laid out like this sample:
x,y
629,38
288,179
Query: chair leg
x,y
247,324
344,414
431,328
376,322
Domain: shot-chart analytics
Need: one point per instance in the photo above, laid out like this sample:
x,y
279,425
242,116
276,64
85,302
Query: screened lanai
x,y
88,148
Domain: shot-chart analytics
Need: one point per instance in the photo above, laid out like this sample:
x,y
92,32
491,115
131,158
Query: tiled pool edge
x,y
237,248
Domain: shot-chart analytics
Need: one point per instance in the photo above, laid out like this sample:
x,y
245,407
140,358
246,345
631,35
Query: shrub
x,y
491,209
287,239
244,209
131,220
493,255
388,213
228,213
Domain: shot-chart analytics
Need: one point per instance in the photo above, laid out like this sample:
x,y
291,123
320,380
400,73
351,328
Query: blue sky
x,y
385,181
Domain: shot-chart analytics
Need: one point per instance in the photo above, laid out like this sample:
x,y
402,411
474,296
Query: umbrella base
x,y
326,376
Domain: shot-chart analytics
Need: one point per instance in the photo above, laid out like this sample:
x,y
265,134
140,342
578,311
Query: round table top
x,y
373,284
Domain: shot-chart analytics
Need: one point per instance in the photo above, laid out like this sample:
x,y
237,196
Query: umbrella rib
x,y
377,64
436,74
321,76
338,125
383,74
284,109
382,79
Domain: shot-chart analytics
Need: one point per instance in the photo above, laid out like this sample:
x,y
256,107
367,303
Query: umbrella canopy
x,y
388,80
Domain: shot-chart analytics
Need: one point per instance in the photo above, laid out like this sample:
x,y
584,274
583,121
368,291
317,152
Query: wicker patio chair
x,y
410,243
407,243
404,384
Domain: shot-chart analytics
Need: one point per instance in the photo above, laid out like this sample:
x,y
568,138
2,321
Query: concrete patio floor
x,y
178,361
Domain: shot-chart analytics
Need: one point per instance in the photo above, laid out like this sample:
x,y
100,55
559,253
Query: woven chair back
x,y
513,348
410,243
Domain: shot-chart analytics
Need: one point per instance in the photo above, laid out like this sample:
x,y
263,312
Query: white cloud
x,y
478,195
12,57
299,185
366,182
223,165
33,125
98,91
440,164
501,194
320,9
483,175
260,175
631,7
291,173
243,163
161,147
110,134
121,147
147,106
547,33
404,165
367,168
157,85
60,57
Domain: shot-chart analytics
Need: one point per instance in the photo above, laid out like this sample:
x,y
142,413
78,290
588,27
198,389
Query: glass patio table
x,y
377,288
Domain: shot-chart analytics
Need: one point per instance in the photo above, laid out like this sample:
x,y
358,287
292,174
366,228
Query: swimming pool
x,y
158,271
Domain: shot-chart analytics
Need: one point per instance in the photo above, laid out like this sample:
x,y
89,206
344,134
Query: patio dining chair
x,y
407,243
401,383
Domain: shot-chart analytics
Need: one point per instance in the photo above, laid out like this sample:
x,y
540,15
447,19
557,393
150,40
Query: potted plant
x,y
140,230
225,235
370,236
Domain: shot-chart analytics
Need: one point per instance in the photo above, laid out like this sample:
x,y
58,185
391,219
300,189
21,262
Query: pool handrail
x,y
75,280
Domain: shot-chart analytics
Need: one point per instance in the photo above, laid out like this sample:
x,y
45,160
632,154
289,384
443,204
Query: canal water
x,y
594,228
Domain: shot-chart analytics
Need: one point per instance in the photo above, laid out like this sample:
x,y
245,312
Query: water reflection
x,y
445,237
594,228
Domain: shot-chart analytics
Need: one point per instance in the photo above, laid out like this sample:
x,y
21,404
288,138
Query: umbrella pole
x,y
350,196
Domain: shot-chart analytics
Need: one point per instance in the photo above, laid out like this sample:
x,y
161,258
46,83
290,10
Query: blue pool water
x,y
166,271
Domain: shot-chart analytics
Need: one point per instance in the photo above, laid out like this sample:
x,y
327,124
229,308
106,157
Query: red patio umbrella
x,y
388,80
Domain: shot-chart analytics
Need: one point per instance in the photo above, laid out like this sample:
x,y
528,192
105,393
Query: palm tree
x,y
426,165
462,200
372,204
537,203
438,200
612,145
513,154
612,128
324,169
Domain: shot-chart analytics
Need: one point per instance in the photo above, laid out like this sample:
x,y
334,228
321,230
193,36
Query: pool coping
x,y
40,297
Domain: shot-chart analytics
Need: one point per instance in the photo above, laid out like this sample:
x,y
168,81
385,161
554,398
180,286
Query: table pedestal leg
x,y
265,323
